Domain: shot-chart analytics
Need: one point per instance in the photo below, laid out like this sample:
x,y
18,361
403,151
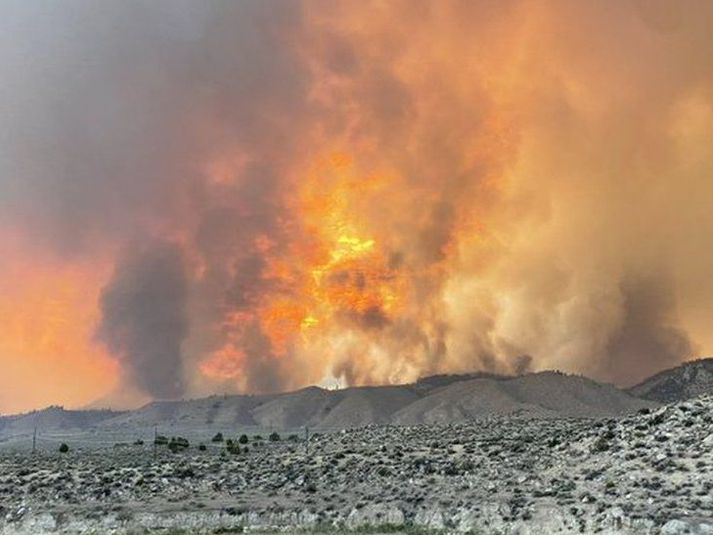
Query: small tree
x,y
63,448
218,437
243,439
274,437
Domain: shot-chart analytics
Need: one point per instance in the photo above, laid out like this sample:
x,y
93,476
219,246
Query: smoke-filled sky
x,y
215,196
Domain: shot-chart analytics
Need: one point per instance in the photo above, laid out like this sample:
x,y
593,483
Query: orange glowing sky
x,y
48,312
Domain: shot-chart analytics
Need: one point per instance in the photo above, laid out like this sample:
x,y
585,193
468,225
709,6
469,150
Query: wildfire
x,y
224,363
337,274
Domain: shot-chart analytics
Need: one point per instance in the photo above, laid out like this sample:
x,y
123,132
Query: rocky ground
x,y
651,472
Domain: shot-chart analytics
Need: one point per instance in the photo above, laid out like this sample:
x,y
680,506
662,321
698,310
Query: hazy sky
x,y
253,196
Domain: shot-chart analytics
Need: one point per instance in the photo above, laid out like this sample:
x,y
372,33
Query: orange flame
x,y
335,274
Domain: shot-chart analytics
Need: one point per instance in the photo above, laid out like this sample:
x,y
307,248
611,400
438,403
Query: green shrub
x,y
657,419
217,438
63,448
274,437
178,444
243,439
600,445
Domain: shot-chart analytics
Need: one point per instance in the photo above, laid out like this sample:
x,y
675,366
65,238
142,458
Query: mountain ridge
x,y
687,380
431,400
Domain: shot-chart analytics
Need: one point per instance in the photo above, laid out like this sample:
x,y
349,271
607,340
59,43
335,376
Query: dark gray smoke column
x,y
144,321
649,338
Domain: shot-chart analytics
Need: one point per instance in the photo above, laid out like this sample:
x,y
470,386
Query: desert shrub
x,y
184,473
274,437
178,444
232,447
256,438
202,447
138,442
600,445
243,439
293,438
63,448
657,420
161,440
217,438
467,466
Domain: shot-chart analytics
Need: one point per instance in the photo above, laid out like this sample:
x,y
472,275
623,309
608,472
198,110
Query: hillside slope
x,y
53,419
545,394
690,379
435,400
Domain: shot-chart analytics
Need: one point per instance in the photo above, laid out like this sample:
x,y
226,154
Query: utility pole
x,y
306,441
155,436
34,440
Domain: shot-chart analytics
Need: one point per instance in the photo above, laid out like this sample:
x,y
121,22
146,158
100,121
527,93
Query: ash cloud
x,y
144,317
113,112
649,338
114,116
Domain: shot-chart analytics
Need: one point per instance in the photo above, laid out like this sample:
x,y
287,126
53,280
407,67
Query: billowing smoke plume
x,y
367,192
144,319
648,337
